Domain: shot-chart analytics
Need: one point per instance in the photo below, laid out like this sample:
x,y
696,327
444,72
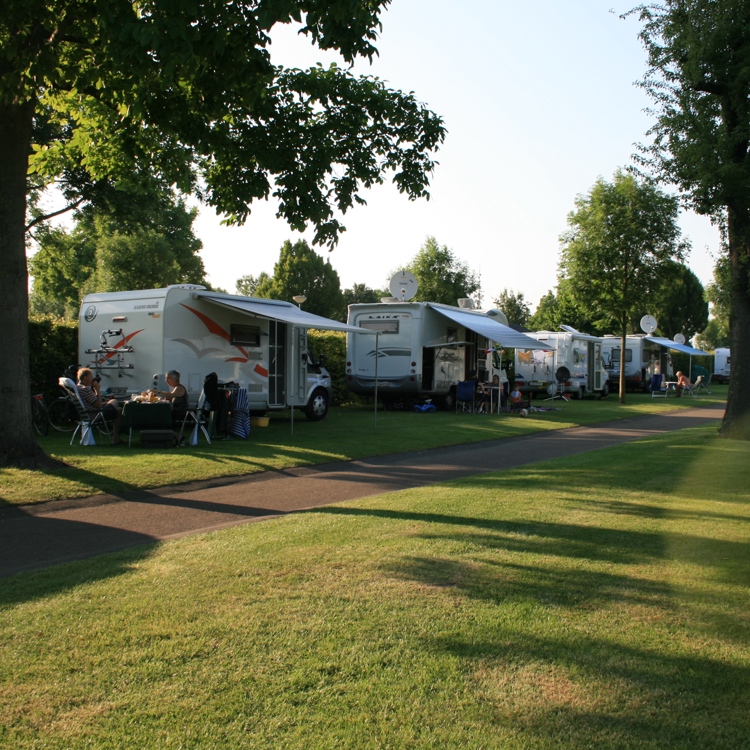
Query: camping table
x,y
146,416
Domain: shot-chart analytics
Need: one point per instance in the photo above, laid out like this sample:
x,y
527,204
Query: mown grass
x,y
347,433
599,601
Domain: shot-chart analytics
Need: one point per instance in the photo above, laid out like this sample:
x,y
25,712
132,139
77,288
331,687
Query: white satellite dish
x,y
648,324
499,315
403,285
679,338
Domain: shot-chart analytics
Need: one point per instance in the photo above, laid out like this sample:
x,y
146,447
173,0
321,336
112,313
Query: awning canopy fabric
x,y
669,344
489,328
279,310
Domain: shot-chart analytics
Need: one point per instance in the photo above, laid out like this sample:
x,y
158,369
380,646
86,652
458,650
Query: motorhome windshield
x,y
380,326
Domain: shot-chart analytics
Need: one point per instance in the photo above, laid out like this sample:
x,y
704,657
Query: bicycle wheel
x,y
62,415
39,416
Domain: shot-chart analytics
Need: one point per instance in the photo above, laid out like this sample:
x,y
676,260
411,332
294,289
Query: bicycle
x,y
39,414
63,415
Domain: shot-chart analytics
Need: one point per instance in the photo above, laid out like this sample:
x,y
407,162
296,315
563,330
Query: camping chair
x,y
701,384
655,386
465,395
198,417
689,389
86,423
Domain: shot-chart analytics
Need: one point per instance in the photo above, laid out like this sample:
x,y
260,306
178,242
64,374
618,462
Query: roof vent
x,y
466,303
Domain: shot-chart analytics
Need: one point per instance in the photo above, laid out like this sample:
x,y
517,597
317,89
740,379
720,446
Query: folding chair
x,y
86,423
465,395
655,386
199,418
702,384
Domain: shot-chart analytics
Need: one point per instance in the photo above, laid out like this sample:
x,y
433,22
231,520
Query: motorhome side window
x,y
452,335
381,326
245,335
616,355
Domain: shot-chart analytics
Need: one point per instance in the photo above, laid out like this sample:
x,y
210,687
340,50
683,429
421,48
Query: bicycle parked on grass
x,y
39,413
63,415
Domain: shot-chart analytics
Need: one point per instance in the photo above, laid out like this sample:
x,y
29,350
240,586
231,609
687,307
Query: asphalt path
x,y
46,534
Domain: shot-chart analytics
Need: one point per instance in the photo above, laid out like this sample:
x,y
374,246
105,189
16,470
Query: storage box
x,y
157,438
259,421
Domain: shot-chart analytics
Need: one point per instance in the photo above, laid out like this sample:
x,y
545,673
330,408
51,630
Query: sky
x,y
539,100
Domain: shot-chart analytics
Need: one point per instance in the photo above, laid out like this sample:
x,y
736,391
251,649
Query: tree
x,y
145,242
248,285
698,54
514,306
679,302
441,276
300,270
621,236
361,293
120,95
716,333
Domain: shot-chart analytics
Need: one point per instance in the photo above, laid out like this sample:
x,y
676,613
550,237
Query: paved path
x,y
36,536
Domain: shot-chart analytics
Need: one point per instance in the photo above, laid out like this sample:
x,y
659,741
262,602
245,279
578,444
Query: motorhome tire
x,y
605,389
579,393
317,406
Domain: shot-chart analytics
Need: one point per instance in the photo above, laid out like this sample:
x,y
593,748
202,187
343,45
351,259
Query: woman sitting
x,y
177,395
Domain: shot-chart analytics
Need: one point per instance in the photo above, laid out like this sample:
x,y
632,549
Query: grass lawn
x,y
347,433
601,601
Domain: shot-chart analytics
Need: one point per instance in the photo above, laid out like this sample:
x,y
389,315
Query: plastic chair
x,y
465,395
655,386
86,423
198,417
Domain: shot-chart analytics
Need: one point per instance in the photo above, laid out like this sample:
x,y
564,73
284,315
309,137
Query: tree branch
x,y
40,219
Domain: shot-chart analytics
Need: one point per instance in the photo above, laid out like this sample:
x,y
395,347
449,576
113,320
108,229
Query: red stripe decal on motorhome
x,y
214,327
261,370
122,343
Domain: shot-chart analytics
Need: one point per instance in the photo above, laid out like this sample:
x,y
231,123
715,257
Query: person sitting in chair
x,y
683,381
178,395
516,400
88,388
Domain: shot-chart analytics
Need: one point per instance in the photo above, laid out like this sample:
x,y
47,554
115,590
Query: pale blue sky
x,y
539,102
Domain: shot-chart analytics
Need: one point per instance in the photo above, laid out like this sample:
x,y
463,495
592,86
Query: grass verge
x,y
598,601
347,433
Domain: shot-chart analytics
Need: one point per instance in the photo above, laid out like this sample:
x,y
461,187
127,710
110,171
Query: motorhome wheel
x,y
317,406
605,389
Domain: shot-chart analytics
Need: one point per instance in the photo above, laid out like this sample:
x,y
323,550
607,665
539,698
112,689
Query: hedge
x,y
53,346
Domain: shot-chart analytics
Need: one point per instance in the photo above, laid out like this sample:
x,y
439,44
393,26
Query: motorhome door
x,y
276,363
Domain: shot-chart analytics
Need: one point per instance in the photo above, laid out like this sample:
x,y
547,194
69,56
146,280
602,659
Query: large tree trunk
x,y
736,423
17,444
623,342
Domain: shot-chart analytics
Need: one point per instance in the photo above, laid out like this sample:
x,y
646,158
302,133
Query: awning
x,y
274,309
669,344
487,327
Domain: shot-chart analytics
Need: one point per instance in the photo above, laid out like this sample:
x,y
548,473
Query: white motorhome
x,y
644,357
423,348
130,339
571,362
722,363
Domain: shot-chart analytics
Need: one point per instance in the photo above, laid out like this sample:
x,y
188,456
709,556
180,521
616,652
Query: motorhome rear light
x,y
413,364
412,378
348,364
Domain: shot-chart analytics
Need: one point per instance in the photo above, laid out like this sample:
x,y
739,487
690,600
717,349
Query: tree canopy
x,y
150,245
698,55
514,306
621,237
301,271
441,276
122,95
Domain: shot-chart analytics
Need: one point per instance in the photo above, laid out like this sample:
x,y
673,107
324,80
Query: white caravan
x,y
130,339
571,362
423,348
643,358
721,365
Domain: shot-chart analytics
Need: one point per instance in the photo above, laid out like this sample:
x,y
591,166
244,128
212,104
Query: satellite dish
x,y
679,338
648,324
403,285
499,315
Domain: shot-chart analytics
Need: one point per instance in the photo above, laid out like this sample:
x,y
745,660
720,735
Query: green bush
x,y
53,346
332,346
